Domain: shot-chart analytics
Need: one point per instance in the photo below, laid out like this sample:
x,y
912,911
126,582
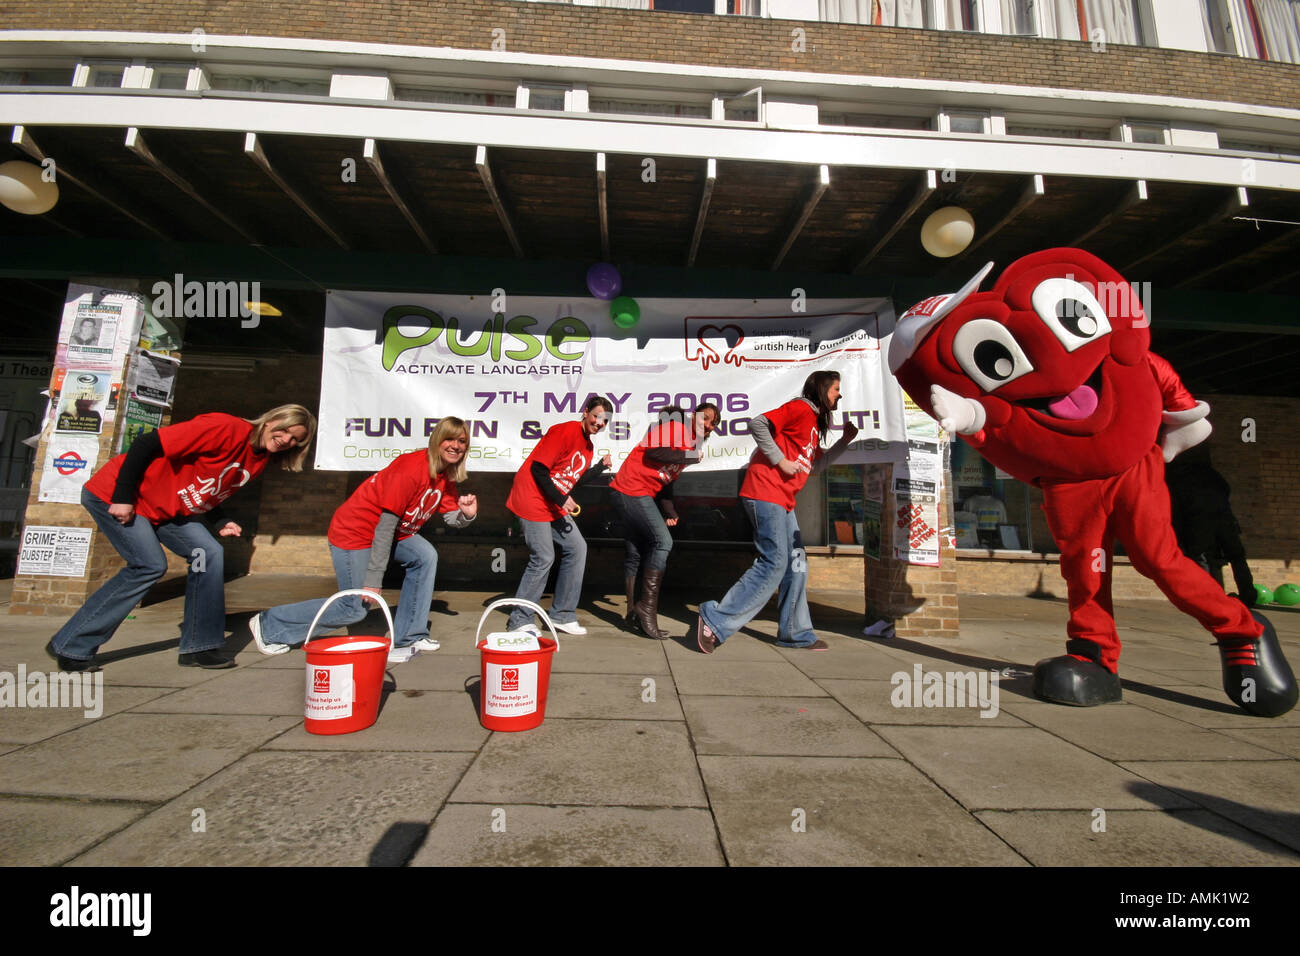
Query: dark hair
x,y
815,388
598,400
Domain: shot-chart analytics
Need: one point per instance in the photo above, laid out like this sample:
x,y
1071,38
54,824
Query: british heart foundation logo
x,y
320,683
510,678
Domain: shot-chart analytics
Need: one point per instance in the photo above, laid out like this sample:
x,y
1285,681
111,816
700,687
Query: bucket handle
x,y
383,606
502,602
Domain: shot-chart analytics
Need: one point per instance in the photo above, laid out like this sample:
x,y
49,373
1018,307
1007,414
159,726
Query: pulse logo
x,y
75,909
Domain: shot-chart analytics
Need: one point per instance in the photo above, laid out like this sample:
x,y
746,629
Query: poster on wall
x,y
54,551
394,363
871,529
99,326
69,463
138,419
153,377
916,521
83,402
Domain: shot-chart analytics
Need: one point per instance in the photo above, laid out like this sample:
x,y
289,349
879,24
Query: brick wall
x,y
695,39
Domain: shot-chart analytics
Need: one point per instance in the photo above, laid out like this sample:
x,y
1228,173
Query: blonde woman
x,y
158,494
392,504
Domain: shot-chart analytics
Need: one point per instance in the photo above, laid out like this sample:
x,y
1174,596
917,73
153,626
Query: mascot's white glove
x,y
1183,430
956,414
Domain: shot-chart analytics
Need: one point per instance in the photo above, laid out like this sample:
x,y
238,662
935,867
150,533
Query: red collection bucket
x,y
345,676
512,691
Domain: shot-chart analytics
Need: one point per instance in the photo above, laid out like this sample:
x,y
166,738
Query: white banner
x,y
395,363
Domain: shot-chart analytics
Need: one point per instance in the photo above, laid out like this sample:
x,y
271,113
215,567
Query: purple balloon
x,y
603,281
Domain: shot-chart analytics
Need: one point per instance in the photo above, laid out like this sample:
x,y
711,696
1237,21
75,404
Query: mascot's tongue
x,y
1080,403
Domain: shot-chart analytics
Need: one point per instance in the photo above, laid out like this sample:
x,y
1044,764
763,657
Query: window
x,y
968,122
262,84
1057,132
416,94
649,108
990,508
543,97
1152,133
37,77
886,13
1018,17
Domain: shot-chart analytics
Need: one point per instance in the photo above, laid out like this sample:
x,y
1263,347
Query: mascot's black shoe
x,y
1255,674
1068,680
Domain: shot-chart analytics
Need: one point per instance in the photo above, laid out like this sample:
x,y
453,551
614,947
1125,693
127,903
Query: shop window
x,y
844,504
991,509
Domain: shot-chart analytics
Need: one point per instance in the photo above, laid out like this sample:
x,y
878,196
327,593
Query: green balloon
x,y
1287,594
1263,595
625,312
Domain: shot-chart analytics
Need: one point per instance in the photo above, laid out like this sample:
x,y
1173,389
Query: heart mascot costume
x,y
1050,377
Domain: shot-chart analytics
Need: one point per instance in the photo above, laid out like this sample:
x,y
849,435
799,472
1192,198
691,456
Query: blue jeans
x,y
648,539
203,627
542,538
781,565
288,623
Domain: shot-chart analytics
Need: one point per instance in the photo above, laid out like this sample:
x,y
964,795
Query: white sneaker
x,y
400,655
572,627
426,644
270,650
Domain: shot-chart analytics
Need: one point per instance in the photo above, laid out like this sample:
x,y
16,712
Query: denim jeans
x,y
203,627
781,566
648,539
288,623
542,538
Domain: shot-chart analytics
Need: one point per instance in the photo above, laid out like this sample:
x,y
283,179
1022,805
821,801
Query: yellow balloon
x,y
947,231
23,190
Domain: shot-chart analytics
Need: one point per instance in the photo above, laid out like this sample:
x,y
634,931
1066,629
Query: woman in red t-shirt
x,y
644,481
159,493
390,504
540,497
789,444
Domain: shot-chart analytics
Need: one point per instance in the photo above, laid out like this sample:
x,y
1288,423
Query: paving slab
x,y
845,659
820,811
1137,838
414,720
719,675
37,832
1280,740
588,763
1206,706
1123,731
602,655
1019,768
464,835
738,647
24,725
808,726
872,701
149,757
288,809
244,690
1258,795
613,696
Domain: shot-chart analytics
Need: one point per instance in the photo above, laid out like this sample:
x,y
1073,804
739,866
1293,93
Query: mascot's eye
x,y
989,354
1071,311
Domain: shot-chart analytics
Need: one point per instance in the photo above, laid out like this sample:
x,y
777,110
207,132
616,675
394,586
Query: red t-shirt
x,y
794,429
566,451
204,461
639,478
405,489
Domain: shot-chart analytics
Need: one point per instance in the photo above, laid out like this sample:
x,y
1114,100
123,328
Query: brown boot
x,y
630,620
647,609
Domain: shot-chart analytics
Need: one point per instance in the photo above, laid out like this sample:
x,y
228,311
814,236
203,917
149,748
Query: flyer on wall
x,y
83,402
98,327
69,462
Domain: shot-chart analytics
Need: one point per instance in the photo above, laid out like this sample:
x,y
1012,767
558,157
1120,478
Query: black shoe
x,y
1068,680
210,660
71,664
1256,677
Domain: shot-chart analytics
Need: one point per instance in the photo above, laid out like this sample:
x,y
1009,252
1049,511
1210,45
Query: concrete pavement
x,y
652,753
